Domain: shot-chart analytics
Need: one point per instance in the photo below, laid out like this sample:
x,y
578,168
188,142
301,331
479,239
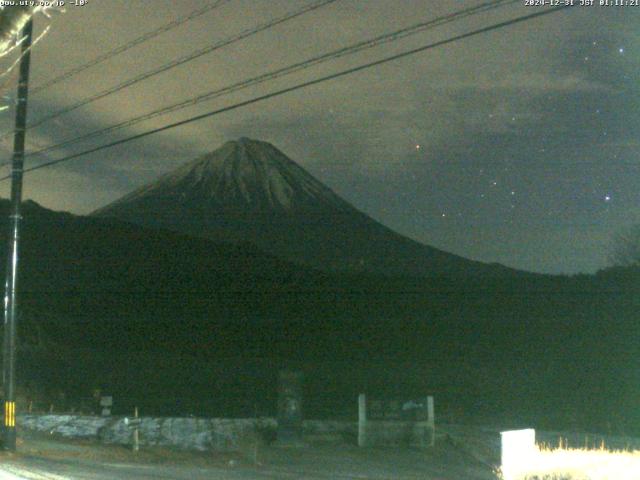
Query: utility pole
x,y
10,299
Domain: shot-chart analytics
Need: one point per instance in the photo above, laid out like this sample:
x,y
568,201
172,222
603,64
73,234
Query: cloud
x,y
631,144
505,103
532,83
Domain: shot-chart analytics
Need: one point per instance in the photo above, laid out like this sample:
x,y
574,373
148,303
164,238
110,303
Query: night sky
x,y
518,146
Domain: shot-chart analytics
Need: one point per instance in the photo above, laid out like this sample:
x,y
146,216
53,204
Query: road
x,y
40,469
41,457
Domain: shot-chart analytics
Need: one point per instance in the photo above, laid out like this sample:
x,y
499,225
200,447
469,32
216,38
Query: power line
x,y
303,65
127,46
301,86
180,61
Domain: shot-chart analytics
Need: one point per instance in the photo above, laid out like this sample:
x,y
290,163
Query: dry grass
x,y
578,464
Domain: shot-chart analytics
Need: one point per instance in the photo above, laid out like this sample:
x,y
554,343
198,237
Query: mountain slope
x,y
248,190
177,325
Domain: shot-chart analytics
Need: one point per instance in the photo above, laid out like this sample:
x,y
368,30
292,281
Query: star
x,y
621,50
607,198
418,146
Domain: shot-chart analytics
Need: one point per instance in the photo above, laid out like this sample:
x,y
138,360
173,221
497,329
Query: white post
x,y
431,421
362,420
136,435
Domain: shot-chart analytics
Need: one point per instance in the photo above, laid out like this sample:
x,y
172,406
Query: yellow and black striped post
x,y
9,415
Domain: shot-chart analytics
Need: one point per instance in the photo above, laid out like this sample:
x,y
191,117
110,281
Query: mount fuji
x,y
249,191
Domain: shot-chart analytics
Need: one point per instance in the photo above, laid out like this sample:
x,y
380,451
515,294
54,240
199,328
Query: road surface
x,y
41,457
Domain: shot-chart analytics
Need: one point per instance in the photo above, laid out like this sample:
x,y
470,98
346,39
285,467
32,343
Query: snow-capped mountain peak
x,y
249,191
245,173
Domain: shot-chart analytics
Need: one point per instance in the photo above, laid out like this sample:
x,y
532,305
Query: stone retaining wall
x,y
221,434
188,433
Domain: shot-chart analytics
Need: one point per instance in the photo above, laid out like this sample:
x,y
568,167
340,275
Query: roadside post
x,y
362,420
134,424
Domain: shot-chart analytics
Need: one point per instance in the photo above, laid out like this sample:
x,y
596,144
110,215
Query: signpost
x,y
107,404
290,408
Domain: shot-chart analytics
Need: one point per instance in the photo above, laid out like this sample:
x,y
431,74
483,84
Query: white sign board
x,y
518,451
